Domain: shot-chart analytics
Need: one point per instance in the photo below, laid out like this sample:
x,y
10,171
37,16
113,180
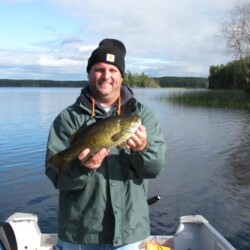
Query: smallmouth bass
x,y
106,133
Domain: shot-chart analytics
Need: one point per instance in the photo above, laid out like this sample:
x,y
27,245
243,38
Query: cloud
x,y
169,30
15,64
163,37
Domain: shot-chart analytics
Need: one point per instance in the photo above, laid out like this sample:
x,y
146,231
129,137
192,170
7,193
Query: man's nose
x,y
106,74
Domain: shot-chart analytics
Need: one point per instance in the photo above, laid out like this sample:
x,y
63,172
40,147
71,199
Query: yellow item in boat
x,y
153,246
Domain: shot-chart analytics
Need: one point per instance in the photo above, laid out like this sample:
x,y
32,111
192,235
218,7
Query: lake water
x,y
207,161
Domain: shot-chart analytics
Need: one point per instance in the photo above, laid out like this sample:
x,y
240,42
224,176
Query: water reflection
x,y
236,186
207,158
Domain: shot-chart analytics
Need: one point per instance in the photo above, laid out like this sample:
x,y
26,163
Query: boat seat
x,y
7,237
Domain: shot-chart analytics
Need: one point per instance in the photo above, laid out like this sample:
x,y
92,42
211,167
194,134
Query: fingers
x,y
96,160
83,154
138,141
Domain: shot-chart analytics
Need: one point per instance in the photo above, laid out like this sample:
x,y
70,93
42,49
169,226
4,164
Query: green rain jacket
x,y
108,205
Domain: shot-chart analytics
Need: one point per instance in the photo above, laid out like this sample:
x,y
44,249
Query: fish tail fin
x,y
59,162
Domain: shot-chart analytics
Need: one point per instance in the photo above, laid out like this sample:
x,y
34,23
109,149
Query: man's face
x,y
105,82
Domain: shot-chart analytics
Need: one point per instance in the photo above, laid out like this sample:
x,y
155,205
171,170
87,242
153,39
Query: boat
x,y
21,231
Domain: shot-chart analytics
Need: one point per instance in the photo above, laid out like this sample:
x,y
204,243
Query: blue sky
x,y
53,39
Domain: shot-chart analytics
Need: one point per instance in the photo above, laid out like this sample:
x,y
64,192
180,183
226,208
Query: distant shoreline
x,y
189,82
40,83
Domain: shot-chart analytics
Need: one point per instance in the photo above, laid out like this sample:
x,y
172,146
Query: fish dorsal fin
x,y
74,137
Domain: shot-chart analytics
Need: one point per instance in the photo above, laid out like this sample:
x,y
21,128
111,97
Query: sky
x,y
53,39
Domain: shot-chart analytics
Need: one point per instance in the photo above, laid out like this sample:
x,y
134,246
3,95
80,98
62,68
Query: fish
x,y
106,133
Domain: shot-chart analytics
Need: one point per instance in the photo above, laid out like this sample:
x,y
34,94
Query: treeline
x,y
233,75
140,80
133,80
40,83
183,82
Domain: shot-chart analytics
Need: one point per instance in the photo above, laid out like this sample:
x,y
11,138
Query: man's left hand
x,y
138,141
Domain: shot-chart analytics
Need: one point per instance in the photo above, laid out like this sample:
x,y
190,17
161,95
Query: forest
x,y
183,82
233,75
235,32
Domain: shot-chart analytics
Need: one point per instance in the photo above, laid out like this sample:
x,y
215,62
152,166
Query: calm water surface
x,y
207,170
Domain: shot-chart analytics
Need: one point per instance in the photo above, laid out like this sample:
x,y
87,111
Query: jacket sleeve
x,y
76,175
150,162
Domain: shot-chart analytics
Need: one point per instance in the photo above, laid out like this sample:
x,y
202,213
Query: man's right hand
x,y
95,161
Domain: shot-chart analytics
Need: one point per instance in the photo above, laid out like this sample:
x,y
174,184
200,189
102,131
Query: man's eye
x,y
98,70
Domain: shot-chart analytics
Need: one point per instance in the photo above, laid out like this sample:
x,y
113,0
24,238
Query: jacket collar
x,y
86,100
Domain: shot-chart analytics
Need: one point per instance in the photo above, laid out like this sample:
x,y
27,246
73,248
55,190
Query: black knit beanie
x,y
109,51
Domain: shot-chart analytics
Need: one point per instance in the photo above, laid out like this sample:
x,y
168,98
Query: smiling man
x,y
103,200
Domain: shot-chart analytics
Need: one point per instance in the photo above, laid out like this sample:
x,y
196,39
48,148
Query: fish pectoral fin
x,y
116,137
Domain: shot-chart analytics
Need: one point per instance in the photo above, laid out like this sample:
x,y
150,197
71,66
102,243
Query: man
x,y
103,201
